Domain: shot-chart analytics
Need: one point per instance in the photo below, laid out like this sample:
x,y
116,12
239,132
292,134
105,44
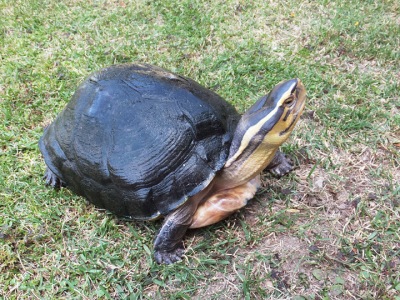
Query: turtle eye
x,y
289,101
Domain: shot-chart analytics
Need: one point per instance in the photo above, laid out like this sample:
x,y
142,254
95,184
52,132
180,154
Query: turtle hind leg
x,y
280,165
52,180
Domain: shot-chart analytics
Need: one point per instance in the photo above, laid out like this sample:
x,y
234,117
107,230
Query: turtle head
x,y
263,128
272,118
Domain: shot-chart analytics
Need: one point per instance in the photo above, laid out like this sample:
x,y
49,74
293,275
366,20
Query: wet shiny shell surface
x,y
138,140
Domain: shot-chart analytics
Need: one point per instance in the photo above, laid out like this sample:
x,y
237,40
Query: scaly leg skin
x,y
223,203
52,179
168,244
280,165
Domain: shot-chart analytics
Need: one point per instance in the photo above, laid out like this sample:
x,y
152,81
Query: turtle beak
x,y
299,92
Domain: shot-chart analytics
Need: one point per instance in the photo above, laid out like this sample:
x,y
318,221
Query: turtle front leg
x,y
168,244
280,165
52,180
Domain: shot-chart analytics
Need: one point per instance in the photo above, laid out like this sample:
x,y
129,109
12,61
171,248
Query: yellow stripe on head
x,y
249,136
265,115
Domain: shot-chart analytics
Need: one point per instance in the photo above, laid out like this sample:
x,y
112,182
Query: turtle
x,y
146,143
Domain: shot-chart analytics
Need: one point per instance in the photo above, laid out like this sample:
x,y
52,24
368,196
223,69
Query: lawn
x,y
329,230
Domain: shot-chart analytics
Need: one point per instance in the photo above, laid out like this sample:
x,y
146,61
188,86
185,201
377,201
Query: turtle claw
x,y
282,169
169,257
52,180
280,165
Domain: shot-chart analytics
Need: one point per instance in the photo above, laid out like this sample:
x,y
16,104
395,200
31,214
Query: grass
x,y
329,230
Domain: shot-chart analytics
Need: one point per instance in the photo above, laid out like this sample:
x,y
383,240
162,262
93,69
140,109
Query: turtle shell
x,y
138,140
